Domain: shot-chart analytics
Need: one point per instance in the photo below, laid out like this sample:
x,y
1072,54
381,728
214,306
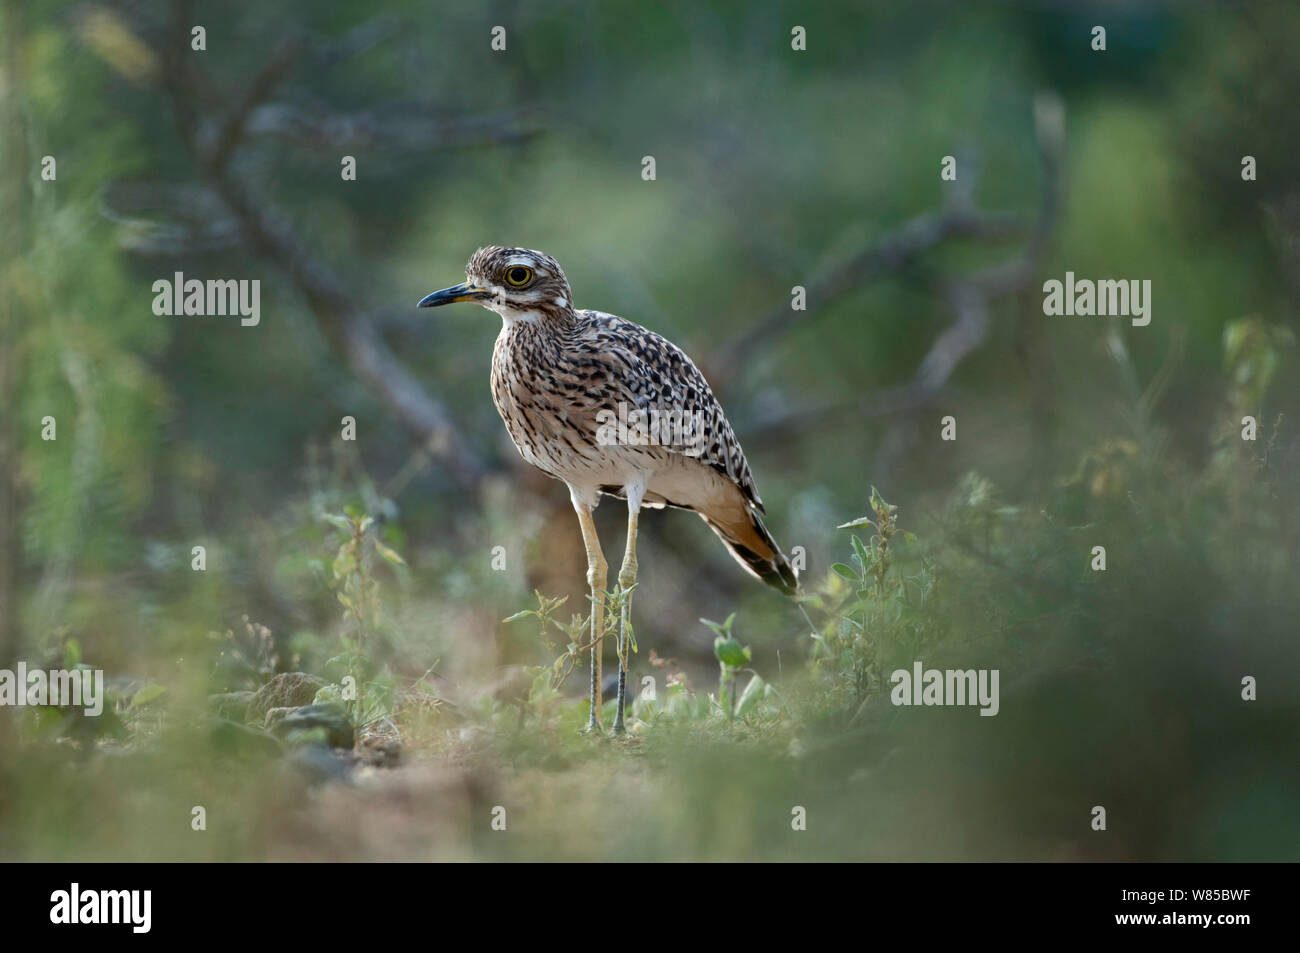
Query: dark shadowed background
x,y
774,168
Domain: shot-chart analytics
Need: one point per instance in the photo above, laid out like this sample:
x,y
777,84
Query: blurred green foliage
x,y
774,167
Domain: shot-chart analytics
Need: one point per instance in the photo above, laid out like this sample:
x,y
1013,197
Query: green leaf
x,y
344,563
147,694
730,652
750,696
879,505
388,554
339,522
845,571
724,629
851,524
521,614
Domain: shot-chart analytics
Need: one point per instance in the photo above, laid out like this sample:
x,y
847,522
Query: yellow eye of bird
x,y
518,276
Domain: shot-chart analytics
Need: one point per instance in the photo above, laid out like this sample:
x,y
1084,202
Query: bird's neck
x,y
541,335
539,320
523,357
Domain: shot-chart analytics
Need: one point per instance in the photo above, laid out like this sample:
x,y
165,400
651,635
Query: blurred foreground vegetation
x,y
339,683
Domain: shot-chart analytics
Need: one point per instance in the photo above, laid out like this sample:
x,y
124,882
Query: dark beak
x,y
461,292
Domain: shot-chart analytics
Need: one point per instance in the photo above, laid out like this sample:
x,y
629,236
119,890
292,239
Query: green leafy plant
x,y
244,657
369,699
574,633
872,607
732,657
871,560
120,711
577,640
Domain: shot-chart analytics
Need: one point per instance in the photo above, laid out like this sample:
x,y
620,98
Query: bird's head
x,y
517,283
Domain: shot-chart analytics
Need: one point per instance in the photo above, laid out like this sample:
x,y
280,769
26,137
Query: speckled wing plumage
x,y
552,378
557,371
653,371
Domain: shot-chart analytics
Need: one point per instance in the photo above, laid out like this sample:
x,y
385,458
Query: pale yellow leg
x,y
626,580
597,570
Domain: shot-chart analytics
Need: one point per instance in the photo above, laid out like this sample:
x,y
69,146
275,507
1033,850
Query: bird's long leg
x,y
597,570
626,580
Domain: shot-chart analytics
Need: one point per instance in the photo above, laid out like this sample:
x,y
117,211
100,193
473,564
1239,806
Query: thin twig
x,y
968,296
341,320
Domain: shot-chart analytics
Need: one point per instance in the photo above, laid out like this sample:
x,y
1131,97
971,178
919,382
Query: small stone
x,y
233,739
316,764
232,705
382,752
286,690
275,715
326,724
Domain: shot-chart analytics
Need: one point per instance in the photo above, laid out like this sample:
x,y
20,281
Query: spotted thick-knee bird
x,y
610,407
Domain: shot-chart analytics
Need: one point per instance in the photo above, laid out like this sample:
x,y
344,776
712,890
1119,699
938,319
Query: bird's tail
x,y
755,549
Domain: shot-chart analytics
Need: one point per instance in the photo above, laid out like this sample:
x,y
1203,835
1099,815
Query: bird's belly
x,y
581,462
686,482
564,443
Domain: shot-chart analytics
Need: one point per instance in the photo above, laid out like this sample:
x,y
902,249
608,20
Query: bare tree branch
x,y
396,136
160,218
886,256
231,131
341,320
361,38
968,296
958,219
